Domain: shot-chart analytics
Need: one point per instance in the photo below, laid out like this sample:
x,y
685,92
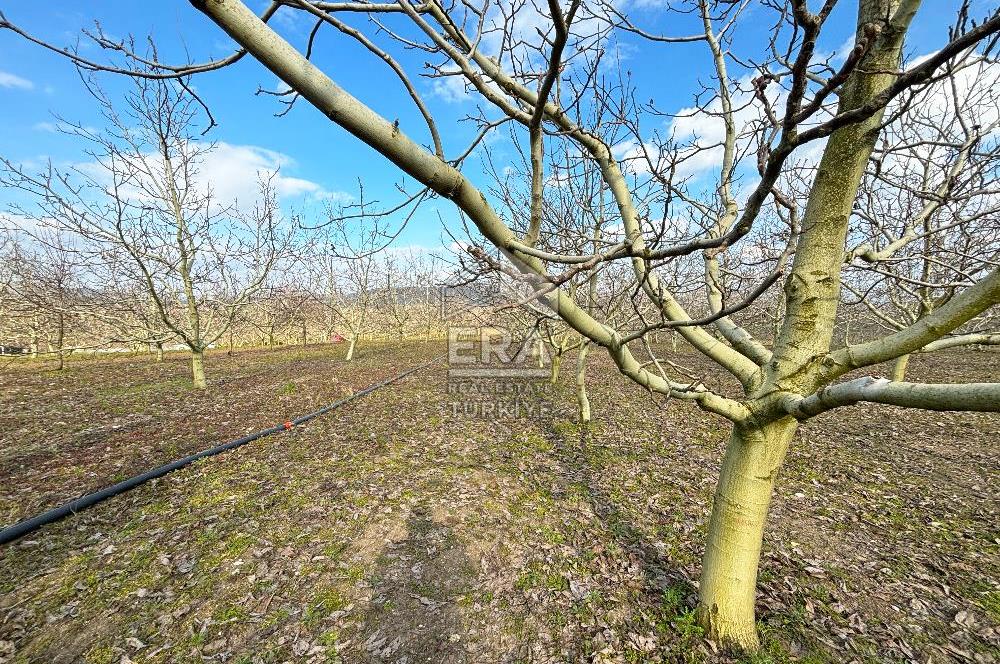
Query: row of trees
x,y
132,249
50,307
797,187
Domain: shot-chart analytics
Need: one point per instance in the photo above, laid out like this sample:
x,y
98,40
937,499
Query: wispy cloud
x,y
8,80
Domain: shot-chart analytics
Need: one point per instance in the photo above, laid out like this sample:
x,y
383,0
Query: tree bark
x,y
60,337
198,369
350,348
899,367
554,371
812,296
732,552
159,351
582,401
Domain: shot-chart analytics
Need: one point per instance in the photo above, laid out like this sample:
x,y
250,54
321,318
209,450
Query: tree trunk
x,y
812,297
582,401
60,338
350,348
899,368
538,350
556,364
198,369
735,532
673,341
305,338
159,351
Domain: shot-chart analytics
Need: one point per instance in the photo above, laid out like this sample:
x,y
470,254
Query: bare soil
x,y
396,529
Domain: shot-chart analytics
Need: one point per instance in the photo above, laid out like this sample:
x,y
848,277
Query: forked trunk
x,y
812,297
350,349
899,368
735,532
582,401
198,369
554,369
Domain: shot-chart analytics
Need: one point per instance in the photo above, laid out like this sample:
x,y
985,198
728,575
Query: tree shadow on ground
x,y
576,468
412,615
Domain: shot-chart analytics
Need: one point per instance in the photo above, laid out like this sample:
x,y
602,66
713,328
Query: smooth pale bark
x,y
350,348
732,552
812,297
198,369
582,400
984,397
554,369
159,351
899,367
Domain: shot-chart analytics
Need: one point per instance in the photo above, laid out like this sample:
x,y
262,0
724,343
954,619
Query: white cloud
x,y
233,171
452,89
840,55
48,127
8,80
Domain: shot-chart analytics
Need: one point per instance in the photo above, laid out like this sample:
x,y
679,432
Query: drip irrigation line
x,y
22,528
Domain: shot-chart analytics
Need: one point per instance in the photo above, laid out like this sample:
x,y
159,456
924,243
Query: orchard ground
x,y
399,529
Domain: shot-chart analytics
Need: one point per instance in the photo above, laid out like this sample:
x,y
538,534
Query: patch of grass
x,y
100,654
990,601
324,602
537,577
687,625
355,572
238,543
230,612
288,389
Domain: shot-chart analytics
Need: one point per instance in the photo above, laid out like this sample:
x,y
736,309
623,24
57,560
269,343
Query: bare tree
x,y
142,205
343,272
47,281
786,101
929,209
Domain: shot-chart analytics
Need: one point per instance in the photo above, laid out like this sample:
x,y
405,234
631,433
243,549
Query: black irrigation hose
x,y
22,528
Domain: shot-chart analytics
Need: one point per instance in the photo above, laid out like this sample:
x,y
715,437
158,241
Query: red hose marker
x,y
288,425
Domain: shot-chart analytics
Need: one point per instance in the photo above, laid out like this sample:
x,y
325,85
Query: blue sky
x,y
34,84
